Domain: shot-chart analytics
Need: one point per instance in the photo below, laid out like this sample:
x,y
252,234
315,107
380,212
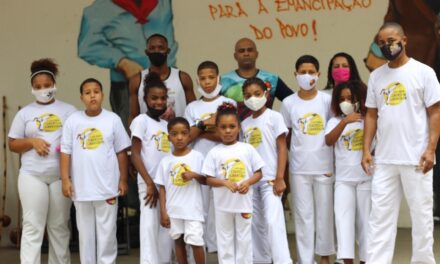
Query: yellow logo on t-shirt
x,y
48,122
311,124
176,174
353,139
90,138
161,141
233,170
394,93
253,136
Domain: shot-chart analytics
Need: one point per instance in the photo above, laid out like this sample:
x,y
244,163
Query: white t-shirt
x,y
307,118
348,150
155,144
262,133
41,121
199,111
93,143
236,163
401,96
183,199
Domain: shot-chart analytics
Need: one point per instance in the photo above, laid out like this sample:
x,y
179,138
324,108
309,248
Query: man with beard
x,y
178,83
246,55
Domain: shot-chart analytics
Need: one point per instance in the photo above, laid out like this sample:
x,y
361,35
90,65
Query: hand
x,y
427,161
41,146
367,163
129,68
230,185
165,220
169,114
122,188
353,117
279,186
243,187
152,195
188,175
210,121
67,188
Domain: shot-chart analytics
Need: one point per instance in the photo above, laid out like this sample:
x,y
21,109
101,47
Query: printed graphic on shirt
x,y
48,122
90,138
233,170
311,124
161,141
394,93
353,139
205,117
176,174
253,136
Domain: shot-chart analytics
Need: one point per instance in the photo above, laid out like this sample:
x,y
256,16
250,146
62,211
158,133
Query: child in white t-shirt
x,y
266,132
149,145
232,168
201,117
353,187
178,176
311,164
94,173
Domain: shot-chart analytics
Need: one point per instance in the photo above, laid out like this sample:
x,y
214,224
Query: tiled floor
x,y
402,252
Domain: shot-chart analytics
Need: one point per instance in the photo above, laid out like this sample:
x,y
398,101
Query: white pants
x,y
352,210
156,244
96,222
44,204
234,238
209,214
388,185
269,236
313,212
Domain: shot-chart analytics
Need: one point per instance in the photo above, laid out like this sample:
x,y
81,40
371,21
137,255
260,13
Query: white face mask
x,y
348,108
307,81
212,94
255,103
44,95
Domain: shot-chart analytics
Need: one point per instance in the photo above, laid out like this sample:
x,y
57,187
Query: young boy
x,y
180,196
94,173
201,117
311,164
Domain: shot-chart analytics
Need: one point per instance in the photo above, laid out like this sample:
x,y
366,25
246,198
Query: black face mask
x,y
392,51
155,113
157,58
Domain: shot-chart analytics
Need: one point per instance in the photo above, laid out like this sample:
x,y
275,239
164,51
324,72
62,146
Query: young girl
x,y
353,187
201,117
36,134
266,132
231,168
94,172
149,145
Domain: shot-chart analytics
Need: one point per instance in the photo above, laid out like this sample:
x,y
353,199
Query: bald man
x,y
246,55
405,147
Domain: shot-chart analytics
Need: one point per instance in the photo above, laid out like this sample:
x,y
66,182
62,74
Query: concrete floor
x,y
402,253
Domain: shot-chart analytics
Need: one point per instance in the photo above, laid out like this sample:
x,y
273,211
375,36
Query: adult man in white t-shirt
x,y
404,114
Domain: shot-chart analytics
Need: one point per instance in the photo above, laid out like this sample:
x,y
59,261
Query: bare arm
x,y
428,157
332,137
370,127
133,88
22,145
189,175
244,186
279,184
67,187
164,218
187,87
194,133
123,172
215,182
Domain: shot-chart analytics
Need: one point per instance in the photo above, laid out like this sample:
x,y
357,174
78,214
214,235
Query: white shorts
x,y
191,230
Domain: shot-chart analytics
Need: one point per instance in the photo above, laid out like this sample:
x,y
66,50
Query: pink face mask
x,y
340,75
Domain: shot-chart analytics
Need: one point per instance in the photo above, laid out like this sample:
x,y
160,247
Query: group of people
x,y
211,171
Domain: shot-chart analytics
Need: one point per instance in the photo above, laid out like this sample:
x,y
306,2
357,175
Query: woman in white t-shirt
x,y
150,144
232,168
266,132
353,187
36,134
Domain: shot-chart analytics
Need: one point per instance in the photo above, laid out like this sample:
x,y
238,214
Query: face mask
x,y
44,95
341,75
155,113
307,81
212,94
255,103
392,51
157,58
348,108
